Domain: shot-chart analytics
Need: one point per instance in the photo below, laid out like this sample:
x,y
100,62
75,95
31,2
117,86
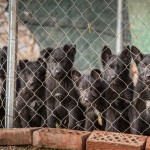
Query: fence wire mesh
x,y
70,72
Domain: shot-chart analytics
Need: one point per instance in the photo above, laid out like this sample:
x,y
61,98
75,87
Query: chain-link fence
x,y
71,64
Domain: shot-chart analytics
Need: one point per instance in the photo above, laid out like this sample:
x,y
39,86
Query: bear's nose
x,y
113,76
148,76
31,82
58,71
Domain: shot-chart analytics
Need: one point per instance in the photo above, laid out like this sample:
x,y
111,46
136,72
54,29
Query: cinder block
x,y
148,144
102,140
60,138
16,136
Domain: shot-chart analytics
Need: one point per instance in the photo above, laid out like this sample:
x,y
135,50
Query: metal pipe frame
x,y
119,34
11,63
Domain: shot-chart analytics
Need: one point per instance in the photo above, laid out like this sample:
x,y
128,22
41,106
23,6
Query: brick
x,y
16,136
60,138
148,144
102,140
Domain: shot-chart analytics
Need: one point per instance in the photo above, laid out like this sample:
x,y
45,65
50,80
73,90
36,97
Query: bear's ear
x,y
75,75
45,53
106,55
136,55
96,74
22,64
42,62
4,48
125,55
70,49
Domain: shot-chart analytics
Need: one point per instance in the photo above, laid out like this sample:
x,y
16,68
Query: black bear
x,y
3,71
140,116
29,107
91,87
63,106
120,92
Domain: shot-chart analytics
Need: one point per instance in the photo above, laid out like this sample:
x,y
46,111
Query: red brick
x,y
101,140
60,138
16,136
148,144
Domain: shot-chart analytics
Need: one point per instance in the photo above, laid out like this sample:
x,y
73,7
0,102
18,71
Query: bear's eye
x,y
63,62
53,61
143,65
28,72
2,59
94,93
81,89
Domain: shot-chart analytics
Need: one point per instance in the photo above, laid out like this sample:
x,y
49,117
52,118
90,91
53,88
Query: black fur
x,y
29,108
3,71
120,91
140,116
62,98
90,87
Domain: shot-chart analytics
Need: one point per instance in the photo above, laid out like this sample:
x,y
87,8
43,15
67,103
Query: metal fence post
x,y
119,27
11,63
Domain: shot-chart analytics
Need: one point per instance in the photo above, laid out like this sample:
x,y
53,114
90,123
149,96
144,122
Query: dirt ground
x,y
23,148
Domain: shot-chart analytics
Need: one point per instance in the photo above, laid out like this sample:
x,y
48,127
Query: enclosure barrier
x,y
81,140
74,65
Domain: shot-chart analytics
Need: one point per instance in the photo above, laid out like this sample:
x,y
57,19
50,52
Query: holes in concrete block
x,y
116,138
